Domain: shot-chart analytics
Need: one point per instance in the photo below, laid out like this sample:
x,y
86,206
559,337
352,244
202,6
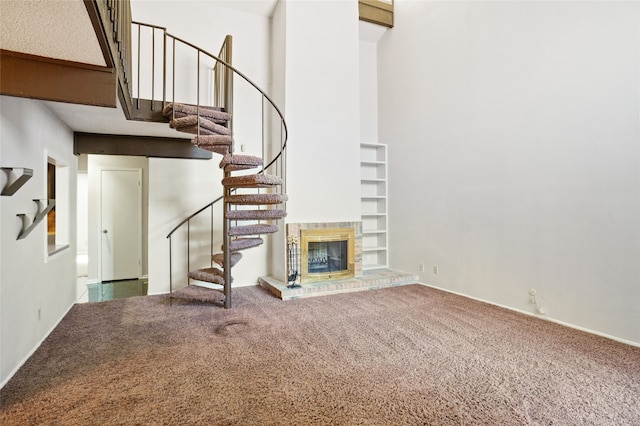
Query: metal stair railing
x,y
273,140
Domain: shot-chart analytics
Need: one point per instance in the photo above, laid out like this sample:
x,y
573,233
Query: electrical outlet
x,y
421,267
435,270
533,292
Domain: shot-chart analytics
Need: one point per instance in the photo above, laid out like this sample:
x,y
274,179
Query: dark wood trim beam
x,y
376,12
37,77
142,146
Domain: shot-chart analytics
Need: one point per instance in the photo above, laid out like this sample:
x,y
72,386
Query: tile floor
x,y
101,292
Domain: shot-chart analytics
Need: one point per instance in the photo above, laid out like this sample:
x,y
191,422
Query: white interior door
x,y
121,224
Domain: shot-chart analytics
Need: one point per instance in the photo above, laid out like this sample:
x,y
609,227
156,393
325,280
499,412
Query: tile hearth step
x,y
370,280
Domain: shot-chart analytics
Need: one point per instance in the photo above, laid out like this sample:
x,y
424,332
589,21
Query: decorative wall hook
x,y
43,210
13,185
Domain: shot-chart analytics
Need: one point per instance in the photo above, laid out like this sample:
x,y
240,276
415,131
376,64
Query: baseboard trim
x,y
546,318
35,348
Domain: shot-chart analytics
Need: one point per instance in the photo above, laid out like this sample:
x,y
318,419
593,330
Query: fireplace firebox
x,y
327,254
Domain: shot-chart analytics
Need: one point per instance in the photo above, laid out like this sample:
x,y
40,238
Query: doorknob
x,y
104,231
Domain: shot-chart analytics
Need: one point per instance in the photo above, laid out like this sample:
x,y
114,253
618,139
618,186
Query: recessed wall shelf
x,y
43,210
15,182
373,202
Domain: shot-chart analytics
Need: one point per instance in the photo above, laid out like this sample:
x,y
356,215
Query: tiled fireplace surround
x,y
293,230
363,280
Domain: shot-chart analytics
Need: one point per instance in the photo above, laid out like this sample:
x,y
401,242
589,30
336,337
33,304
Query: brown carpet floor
x,y
406,355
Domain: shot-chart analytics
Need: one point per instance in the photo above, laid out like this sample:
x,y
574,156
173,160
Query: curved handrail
x,y
194,215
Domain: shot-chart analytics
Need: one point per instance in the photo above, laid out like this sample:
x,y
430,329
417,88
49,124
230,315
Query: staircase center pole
x,y
227,249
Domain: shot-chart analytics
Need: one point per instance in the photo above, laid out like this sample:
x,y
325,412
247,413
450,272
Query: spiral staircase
x,y
212,134
253,187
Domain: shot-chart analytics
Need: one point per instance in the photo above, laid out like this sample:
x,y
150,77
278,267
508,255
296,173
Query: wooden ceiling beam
x,y
37,77
142,146
376,12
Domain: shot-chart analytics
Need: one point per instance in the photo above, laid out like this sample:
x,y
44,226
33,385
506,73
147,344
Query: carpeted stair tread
x,y
236,167
219,144
204,140
208,275
194,130
251,181
256,199
199,294
215,114
189,124
257,229
265,214
188,107
244,243
219,258
240,162
218,149
217,120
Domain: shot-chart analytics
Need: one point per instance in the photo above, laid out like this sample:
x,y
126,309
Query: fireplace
x,y
324,251
327,254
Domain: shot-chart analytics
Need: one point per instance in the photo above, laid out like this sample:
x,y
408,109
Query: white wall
x,y
178,188
321,106
35,290
322,110
368,91
513,132
277,243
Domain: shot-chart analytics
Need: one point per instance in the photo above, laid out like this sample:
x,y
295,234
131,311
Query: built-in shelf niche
x,y
373,202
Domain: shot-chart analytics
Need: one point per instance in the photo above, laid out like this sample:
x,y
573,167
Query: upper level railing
x,y
223,78
153,70
115,17
176,70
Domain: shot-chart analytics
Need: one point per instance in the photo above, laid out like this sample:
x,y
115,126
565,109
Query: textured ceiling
x,y
59,29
